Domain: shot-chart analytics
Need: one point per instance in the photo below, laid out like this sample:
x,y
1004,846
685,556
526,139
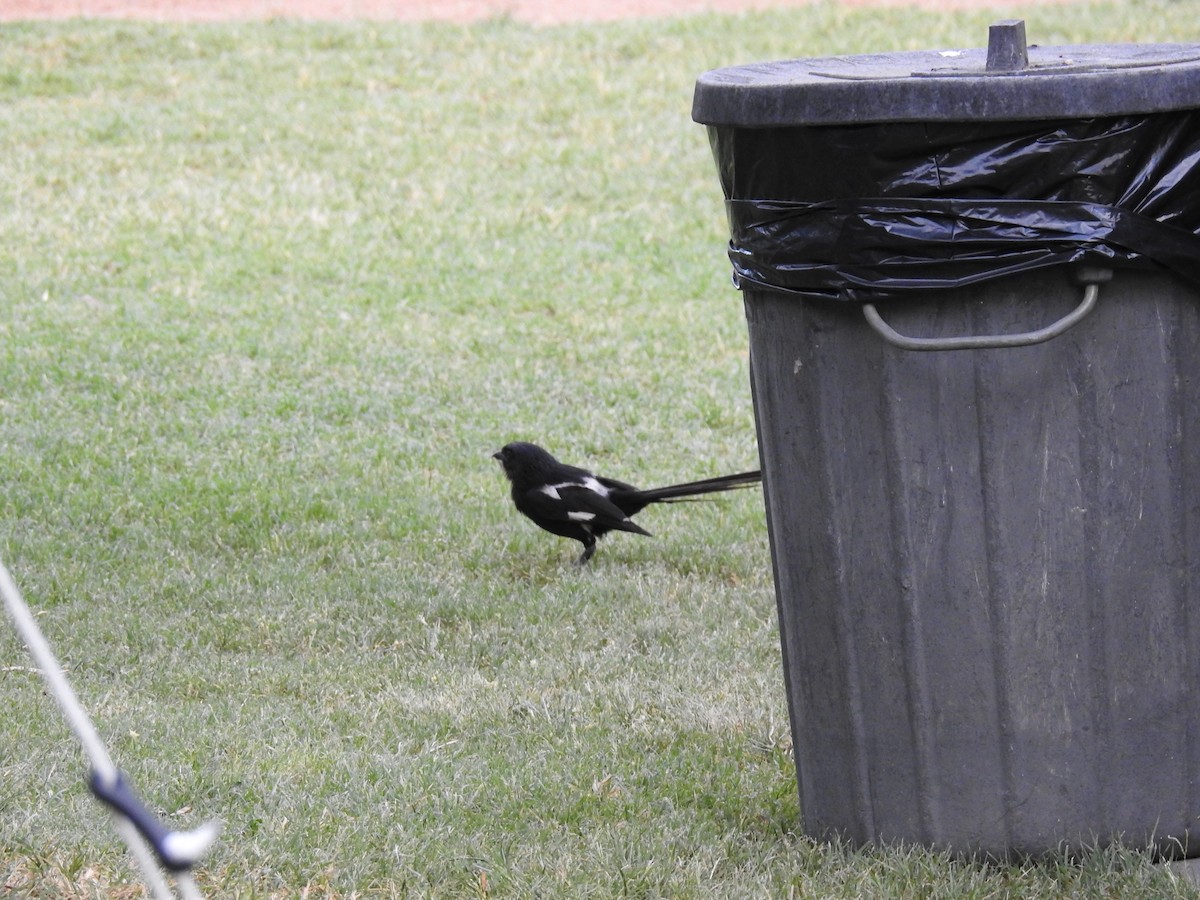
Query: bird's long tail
x,y
676,492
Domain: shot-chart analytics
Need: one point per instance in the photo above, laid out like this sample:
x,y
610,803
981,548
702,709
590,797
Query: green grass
x,y
271,294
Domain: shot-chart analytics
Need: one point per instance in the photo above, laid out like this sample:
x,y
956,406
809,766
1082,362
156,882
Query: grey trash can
x,y
986,548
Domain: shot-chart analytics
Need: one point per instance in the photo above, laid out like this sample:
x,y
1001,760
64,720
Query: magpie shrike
x,y
574,503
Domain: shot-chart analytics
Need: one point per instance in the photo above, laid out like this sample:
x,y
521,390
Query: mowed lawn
x,y
271,295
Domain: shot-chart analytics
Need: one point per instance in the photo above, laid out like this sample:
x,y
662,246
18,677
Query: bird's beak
x,y
496,455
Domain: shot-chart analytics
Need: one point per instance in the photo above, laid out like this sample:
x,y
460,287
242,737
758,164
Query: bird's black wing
x,y
613,485
578,503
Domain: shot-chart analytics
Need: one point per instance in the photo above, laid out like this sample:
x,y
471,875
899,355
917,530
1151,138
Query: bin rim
x,y
1075,81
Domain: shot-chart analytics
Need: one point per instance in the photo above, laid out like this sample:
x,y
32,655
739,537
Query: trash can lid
x,y
1009,81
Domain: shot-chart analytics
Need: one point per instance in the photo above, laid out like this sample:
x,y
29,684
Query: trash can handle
x,y
1090,277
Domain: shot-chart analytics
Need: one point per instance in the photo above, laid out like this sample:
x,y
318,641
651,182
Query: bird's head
x,y
520,458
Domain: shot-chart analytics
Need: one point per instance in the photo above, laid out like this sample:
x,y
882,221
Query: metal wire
x,y
97,754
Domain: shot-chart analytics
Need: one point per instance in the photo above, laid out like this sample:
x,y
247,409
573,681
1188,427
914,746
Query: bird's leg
x,y
588,549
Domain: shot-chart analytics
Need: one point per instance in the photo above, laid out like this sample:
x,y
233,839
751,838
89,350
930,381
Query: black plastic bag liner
x,y
859,177
861,212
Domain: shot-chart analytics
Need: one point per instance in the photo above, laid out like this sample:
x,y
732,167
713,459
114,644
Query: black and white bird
x,y
574,503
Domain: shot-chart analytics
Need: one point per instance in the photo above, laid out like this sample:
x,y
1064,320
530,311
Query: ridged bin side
x,y
988,565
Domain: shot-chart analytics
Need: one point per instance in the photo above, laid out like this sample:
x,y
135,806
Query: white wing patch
x,y
593,485
551,490
581,516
